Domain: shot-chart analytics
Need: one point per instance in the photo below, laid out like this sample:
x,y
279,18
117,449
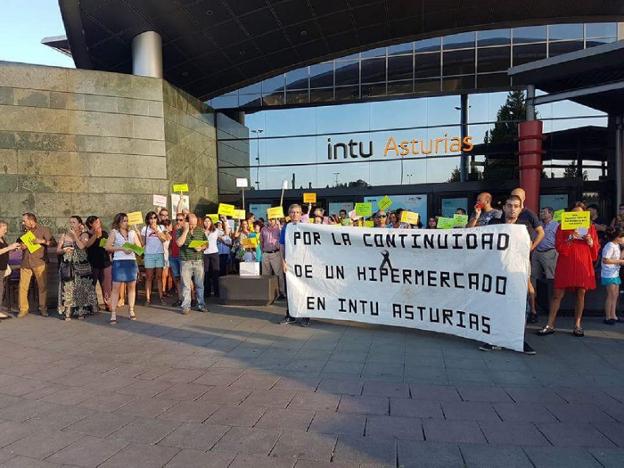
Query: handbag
x,y
66,270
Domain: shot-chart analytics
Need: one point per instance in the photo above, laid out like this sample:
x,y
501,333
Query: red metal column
x,y
530,161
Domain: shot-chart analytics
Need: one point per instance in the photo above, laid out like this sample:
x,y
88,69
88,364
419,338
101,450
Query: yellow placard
x,y
364,209
369,224
197,244
277,212
557,215
178,188
213,217
309,197
239,214
226,210
136,217
249,243
575,220
460,220
446,223
29,241
409,217
384,203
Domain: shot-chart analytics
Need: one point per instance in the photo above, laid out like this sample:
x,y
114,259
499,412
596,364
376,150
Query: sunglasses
x,y
380,216
179,219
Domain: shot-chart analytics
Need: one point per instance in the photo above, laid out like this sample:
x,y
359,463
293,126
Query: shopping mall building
x,y
427,101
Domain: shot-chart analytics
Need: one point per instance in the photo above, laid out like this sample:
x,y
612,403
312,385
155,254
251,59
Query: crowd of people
x,y
185,256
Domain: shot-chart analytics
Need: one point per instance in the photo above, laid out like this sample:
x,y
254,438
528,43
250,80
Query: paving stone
x,y
148,408
453,431
255,381
469,410
269,398
364,405
286,419
415,408
144,388
226,395
434,392
523,412
389,427
11,431
512,433
195,436
319,464
574,435
100,424
300,382
61,417
386,389
533,395
557,457
413,453
315,400
182,376
106,402
145,431
189,458
576,412
247,440
307,445
141,456
609,458
482,393
488,456
190,411
365,450
183,391
26,462
245,461
612,430
43,444
70,396
236,416
338,423
88,451
26,409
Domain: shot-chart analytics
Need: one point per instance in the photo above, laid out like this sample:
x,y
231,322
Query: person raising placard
x,y
120,243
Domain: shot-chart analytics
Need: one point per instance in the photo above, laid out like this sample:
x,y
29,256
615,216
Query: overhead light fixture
x,y
209,12
303,33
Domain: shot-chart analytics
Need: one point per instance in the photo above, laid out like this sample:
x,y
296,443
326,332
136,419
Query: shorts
x,y
154,261
607,281
174,264
124,271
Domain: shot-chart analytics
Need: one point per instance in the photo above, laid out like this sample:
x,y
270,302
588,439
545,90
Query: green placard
x,y
460,220
103,241
557,215
446,223
384,203
364,210
135,248
369,224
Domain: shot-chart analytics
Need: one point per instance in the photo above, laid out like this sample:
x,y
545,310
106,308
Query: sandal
x,y
578,331
113,320
132,315
547,330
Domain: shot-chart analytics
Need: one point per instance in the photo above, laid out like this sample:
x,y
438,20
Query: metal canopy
x,y
213,46
593,77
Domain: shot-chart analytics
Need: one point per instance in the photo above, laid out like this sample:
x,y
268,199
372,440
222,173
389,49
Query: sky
x,y
23,23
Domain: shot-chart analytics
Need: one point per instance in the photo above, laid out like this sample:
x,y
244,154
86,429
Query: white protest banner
x,y
159,200
466,282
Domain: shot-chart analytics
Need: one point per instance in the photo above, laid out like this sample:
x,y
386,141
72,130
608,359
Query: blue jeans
x,y
192,270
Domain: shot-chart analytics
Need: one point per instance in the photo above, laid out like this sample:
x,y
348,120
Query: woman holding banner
x,y
123,243
154,237
578,250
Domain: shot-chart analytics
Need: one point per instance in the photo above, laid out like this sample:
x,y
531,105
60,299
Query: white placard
x,y
159,200
285,185
242,182
465,282
175,199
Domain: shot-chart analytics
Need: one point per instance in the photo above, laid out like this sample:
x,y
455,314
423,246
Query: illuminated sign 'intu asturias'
x,y
443,145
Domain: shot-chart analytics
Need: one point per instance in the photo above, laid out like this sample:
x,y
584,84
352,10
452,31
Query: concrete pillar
x,y
530,161
147,55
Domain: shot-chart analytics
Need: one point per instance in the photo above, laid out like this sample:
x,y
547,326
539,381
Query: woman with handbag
x,y
125,269
5,269
77,296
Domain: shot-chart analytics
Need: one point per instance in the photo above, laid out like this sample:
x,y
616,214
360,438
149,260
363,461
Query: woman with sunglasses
x,y
380,218
125,267
154,236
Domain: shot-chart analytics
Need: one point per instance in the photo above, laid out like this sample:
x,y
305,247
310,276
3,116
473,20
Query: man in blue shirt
x,y
294,212
544,258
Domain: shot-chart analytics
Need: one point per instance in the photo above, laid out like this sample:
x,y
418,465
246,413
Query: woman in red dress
x,y
578,250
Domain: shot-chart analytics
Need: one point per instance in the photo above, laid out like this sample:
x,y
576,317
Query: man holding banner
x,y
192,241
294,212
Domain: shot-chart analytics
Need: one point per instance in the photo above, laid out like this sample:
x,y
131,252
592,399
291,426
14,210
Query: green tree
x,y
455,175
574,172
505,133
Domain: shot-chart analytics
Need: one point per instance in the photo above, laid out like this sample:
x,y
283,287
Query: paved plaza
x,y
233,388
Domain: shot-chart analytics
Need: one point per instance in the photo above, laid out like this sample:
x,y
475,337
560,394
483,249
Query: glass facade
x,y
350,138
464,62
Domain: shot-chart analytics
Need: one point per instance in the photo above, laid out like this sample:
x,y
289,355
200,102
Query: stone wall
x,y
88,142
